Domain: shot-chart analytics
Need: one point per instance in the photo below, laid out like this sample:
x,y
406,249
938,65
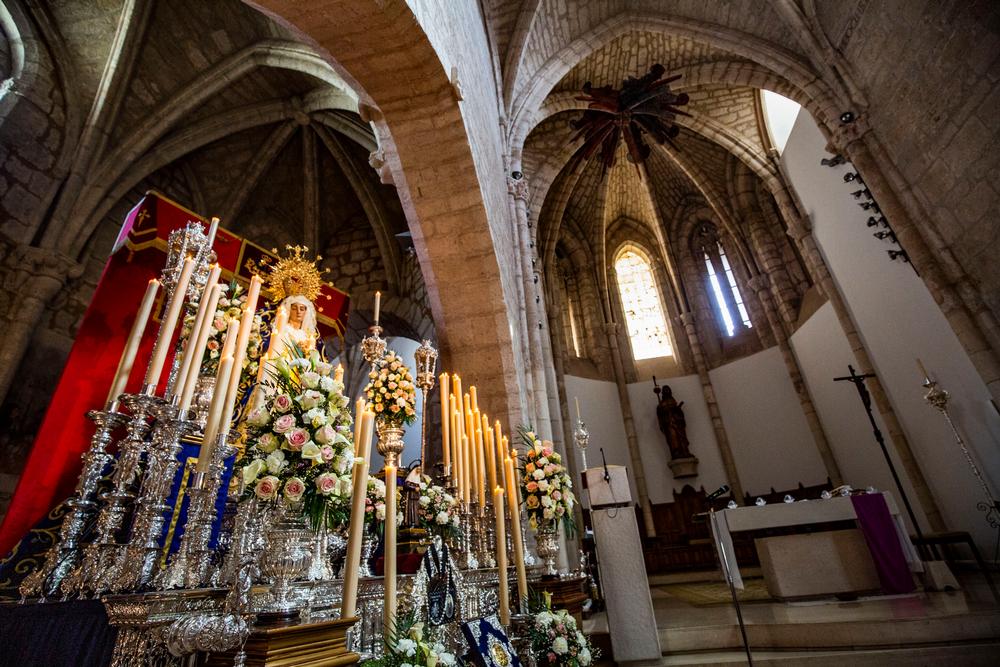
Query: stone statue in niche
x,y
670,415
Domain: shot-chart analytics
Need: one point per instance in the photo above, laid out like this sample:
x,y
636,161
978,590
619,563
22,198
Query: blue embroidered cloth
x,y
489,643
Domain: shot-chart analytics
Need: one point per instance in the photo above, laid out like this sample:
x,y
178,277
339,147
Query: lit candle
x,y
504,592
197,350
514,508
359,479
491,457
132,343
474,396
199,322
445,390
389,578
338,373
242,338
378,305
166,333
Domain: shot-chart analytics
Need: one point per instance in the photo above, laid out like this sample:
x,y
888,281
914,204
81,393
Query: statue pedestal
x,y
321,644
686,467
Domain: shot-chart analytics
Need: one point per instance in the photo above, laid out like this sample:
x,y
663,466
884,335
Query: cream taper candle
x,y
504,592
491,456
389,560
167,325
132,342
359,479
197,345
501,454
214,415
513,506
199,322
445,391
243,337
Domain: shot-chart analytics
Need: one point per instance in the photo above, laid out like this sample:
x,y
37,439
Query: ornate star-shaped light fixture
x,y
642,106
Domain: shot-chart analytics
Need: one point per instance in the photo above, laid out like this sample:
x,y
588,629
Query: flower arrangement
x,y
391,391
408,648
545,485
231,305
375,502
556,641
300,441
437,509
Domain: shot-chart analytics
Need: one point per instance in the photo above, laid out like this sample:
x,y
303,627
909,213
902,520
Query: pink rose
x,y
326,483
546,451
283,423
282,402
325,435
556,495
267,487
327,452
531,486
295,437
550,468
294,488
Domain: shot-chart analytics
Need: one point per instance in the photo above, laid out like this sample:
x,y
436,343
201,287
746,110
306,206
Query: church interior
x,y
542,332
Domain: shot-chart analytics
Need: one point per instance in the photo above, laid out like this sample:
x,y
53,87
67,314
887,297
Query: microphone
x,y
607,473
718,492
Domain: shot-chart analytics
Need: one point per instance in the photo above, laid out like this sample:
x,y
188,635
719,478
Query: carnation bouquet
x,y
300,441
437,509
556,641
545,485
391,391
231,305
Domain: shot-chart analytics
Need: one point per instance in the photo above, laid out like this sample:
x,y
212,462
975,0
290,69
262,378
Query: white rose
x,y
323,367
538,474
316,417
276,462
543,485
344,486
259,417
425,501
542,462
326,384
343,463
310,379
442,518
547,513
559,646
310,399
251,471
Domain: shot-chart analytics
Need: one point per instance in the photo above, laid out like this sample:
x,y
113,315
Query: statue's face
x,y
296,314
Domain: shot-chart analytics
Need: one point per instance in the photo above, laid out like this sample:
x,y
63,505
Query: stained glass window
x,y
647,327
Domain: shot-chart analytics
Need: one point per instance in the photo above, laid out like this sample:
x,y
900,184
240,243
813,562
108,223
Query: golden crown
x,y
294,274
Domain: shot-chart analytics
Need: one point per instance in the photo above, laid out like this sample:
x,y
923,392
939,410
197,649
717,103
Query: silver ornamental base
x,y
286,557
368,546
547,542
65,553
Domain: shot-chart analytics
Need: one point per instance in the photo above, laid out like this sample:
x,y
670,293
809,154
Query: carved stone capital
x,y
30,272
518,188
847,134
759,283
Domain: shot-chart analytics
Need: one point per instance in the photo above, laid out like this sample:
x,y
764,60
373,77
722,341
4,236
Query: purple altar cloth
x,y
880,533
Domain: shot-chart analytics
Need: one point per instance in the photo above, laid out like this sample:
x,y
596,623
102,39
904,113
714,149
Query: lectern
x,y
634,638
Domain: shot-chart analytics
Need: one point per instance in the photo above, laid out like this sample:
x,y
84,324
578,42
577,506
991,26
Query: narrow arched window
x,y
732,311
779,117
647,327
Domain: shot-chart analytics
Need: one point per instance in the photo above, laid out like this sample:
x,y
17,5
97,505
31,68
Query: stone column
x,y
721,437
33,277
762,286
973,322
611,329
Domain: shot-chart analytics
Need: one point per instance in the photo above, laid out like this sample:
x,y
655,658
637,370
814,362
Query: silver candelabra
x,y
426,358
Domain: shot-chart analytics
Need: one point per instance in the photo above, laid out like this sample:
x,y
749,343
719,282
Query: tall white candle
x,y
214,415
359,479
504,592
242,338
444,389
513,507
213,229
389,578
132,343
378,305
196,352
167,325
199,322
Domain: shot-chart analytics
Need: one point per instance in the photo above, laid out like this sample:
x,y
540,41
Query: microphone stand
x,y
727,570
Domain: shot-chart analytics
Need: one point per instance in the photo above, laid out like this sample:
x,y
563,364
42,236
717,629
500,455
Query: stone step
x,y
965,655
873,633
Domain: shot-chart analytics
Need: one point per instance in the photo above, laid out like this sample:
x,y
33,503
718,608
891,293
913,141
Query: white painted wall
x,y
899,322
768,433
653,445
602,413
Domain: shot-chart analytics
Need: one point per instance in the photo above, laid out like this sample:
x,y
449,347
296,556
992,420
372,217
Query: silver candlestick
x,y
373,346
65,553
98,557
581,436
137,564
426,358
191,565
938,398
